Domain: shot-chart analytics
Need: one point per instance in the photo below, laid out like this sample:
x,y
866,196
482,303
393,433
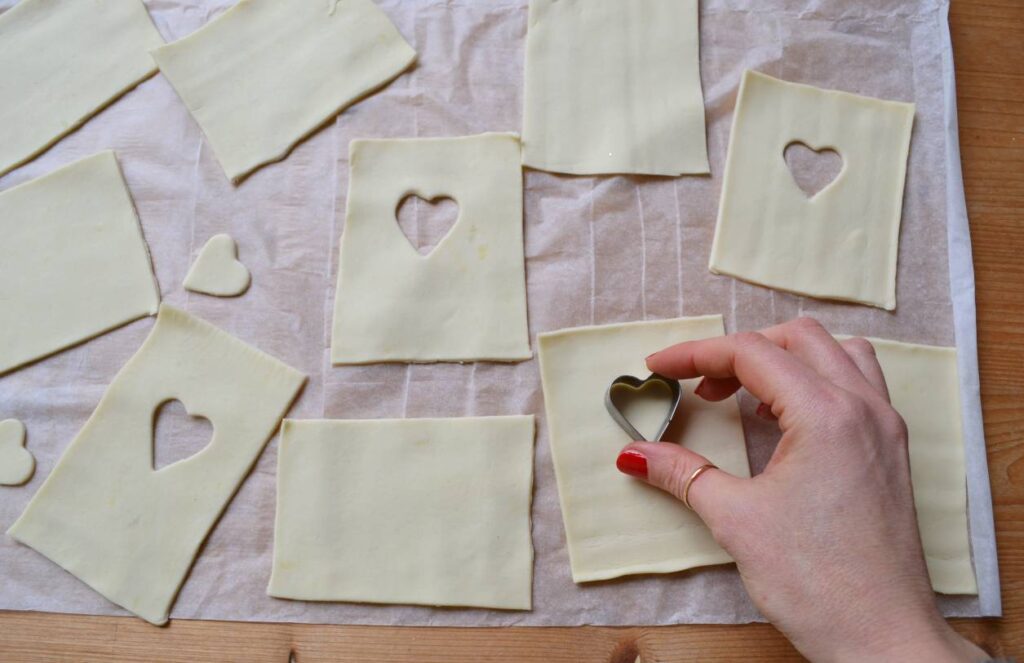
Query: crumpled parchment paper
x,y
598,250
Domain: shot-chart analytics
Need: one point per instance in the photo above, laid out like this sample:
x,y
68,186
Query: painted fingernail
x,y
701,387
765,411
632,463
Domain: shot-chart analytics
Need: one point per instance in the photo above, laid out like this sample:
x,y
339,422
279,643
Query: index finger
x,y
770,373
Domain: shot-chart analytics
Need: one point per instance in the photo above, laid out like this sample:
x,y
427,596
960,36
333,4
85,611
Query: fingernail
x,y
701,386
765,411
632,463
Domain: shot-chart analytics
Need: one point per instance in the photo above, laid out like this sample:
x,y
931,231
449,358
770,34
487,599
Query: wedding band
x,y
693,477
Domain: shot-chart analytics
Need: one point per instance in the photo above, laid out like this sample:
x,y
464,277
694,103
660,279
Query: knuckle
x,y
678,471
860,345
809,325
893,426
748,339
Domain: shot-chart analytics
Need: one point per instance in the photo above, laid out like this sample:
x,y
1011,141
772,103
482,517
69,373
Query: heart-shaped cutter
x,y
637,384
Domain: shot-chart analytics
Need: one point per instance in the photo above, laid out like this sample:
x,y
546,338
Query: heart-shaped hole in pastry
x,y
178,435
644,409
426,222
812,170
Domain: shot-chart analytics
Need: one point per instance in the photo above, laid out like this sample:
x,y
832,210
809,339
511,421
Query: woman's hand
x,y
826,538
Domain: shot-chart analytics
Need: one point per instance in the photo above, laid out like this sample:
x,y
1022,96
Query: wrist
x,y
929,640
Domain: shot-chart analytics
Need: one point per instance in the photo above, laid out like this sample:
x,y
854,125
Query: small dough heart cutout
x,y
16,462
217,270
643,405
813,169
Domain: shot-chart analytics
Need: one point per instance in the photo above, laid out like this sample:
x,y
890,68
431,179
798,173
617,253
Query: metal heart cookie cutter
x,y
636,385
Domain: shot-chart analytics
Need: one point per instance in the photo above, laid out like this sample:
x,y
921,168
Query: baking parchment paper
x,y
598,250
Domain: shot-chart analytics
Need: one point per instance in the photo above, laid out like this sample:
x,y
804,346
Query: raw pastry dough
x,y
129,532
840,244
266,74
615,525
16,463
421,511
217,270
925,389
466,300
614,87
61,61
73,263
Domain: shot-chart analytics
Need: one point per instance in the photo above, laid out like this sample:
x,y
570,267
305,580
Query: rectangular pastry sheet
x,y
405,511
615,525
60,62
614,87
265,74
598,250
922,383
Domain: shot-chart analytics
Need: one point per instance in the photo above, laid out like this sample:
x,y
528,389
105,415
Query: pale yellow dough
x,y
132,533
420,511
616,525
464,301
63,60
265,74
217,270
614,87
16,463
73,262
842,243
924,388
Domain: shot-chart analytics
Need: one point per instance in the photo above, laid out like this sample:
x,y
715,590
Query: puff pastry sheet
x,y
73,262
265,74
419,511
104,514
614,87
464,301
924,388
843,242
616,525
61,61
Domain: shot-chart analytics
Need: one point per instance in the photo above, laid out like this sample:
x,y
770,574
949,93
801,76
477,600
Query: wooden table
x,y
988,38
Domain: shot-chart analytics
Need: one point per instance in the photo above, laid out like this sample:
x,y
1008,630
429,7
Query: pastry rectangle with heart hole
x,y
73,262
839,243
616,525
465,300
129,531
411,511
614,87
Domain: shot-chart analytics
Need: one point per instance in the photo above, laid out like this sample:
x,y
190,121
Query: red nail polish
x,y
632,463
701,386
765,411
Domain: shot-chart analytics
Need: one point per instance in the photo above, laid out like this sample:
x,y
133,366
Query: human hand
x,y
826,538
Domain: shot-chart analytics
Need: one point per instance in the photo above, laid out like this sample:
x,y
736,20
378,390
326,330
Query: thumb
x,y
669,466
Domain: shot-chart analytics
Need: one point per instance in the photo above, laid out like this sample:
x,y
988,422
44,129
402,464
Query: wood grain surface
x,y
988,38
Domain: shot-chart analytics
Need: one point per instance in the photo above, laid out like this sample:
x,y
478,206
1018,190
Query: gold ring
x,y
693,477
